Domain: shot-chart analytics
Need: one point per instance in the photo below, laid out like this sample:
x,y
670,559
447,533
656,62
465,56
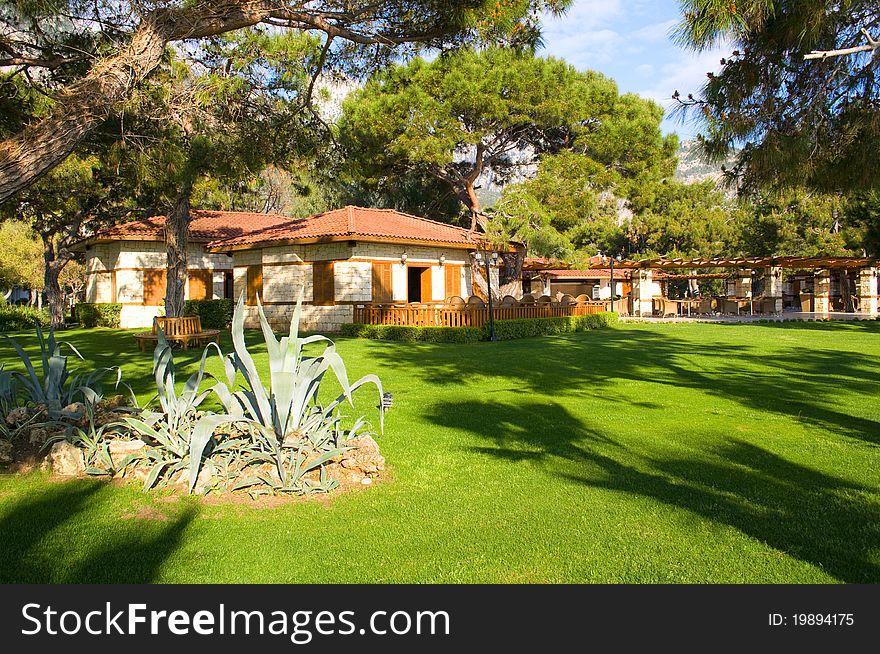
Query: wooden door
x,y
254,284
426,285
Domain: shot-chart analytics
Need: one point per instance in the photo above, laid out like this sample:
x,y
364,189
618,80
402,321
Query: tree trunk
x,y
177,249
473,203
510,275
51,274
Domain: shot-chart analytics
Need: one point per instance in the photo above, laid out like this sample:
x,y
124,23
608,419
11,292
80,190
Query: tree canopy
x,y
795,121
472,112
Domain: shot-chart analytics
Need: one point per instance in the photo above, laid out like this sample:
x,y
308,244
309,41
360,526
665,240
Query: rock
x,y
366,456
348,463
366,481
120,448
204,481
7,454
19,415
74,411
38,436
66,459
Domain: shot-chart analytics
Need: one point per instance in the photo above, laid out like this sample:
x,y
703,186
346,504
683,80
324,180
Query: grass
x,y
647,453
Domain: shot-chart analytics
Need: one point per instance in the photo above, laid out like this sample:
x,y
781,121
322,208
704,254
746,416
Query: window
x,y
201,284
382,285
452,280
154,287
323,288
254,284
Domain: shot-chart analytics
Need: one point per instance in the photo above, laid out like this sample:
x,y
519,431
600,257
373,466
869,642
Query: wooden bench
x,y
183,331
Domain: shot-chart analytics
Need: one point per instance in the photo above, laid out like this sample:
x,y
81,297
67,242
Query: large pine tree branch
x,y
27,156
873,45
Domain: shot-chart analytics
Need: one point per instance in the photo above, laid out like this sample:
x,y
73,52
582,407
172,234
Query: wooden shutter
x,y
382,284
426,285
154,287
201,285
452,281
323,288
254,284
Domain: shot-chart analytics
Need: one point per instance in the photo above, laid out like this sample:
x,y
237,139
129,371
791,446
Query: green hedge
x,y
98,315
215,314
15,318
415,334
505,330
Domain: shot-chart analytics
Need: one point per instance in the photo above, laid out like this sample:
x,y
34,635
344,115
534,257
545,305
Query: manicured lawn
x,y
653,453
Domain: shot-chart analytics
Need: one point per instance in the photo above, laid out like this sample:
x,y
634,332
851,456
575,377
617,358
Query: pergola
x,y
866,287
641,272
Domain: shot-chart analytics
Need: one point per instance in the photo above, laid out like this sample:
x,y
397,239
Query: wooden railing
x,y
441,316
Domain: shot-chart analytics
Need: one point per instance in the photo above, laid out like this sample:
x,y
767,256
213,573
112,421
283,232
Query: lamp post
x,y
494,256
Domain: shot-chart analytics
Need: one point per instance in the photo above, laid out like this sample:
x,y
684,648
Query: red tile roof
x,y
206,226
353,223
236,229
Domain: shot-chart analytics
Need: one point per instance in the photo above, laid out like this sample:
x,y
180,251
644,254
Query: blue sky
x,y
629,41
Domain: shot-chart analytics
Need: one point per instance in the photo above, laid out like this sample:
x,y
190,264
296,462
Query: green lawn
x,y
645,453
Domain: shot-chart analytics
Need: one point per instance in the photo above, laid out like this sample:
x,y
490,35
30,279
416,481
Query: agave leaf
x,y
247,483
201,434
153,477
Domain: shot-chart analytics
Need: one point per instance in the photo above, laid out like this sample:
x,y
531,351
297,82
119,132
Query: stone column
x,y
642,293
744,284
773,288
867,291
822,291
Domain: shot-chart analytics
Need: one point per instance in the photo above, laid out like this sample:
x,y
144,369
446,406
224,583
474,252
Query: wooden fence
x,y
442,316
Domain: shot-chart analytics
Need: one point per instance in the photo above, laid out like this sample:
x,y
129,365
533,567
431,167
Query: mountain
x,y
692,168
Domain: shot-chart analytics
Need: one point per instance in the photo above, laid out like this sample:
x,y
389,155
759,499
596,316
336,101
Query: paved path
x,y
788,315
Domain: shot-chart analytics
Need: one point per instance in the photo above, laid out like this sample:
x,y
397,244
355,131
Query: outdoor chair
x,y
508,301
582,299
475,302
567,301
455,302
527,299
545,299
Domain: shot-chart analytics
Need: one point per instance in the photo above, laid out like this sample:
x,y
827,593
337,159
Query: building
x,y
340,258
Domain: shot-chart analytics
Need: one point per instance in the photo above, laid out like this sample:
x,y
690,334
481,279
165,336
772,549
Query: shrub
x,y
416,334
505,330
214,314
524,327
15,318
99,315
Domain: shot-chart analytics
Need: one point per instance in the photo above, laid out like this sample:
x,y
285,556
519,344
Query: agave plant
x,y
293,431
178,432
58,388
8,392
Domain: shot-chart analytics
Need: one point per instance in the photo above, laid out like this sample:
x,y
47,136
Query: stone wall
x,y
313,319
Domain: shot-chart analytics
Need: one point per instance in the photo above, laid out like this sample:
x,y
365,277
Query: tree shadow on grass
x,y
816,518
531,431
52,538
809,515
806,383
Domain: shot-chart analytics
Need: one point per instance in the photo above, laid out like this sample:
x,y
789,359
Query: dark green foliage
x,y
99,315
505,330
416,334
215,314
18,317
